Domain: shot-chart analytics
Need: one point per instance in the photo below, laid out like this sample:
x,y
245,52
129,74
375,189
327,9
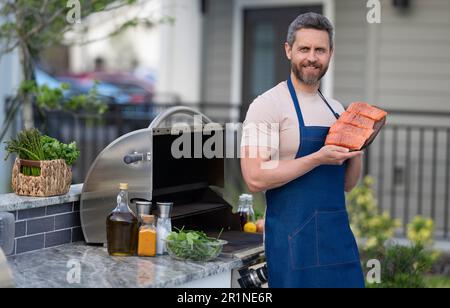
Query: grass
x,y
438,281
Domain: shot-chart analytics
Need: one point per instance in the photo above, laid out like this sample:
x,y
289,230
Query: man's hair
x,y
310,21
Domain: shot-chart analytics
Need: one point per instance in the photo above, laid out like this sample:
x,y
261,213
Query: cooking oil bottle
x,y
122,227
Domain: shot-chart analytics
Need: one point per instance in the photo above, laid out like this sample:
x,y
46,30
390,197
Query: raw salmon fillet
x,y
346,140
339,127
367,110
355,126
356,120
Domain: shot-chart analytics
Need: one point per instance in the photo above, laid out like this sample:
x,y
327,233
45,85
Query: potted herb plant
x,y
43,164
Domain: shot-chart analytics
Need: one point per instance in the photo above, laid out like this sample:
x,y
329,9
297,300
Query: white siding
x,y
350,51
217,52
402,63
414,56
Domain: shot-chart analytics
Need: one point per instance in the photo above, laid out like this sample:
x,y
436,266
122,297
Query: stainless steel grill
x,y
143,159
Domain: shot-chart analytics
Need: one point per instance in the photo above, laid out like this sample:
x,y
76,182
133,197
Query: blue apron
x,y
308,238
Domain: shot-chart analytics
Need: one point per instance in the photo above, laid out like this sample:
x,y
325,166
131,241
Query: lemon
x,y
250,227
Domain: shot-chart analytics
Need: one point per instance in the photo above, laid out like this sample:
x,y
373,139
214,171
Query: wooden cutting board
x,y
377,128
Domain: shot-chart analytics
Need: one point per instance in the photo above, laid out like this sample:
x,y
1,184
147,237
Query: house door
x,y
265,63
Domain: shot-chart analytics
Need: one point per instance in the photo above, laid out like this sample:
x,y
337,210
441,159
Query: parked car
x,y
125,89
140,90
43,78
85,84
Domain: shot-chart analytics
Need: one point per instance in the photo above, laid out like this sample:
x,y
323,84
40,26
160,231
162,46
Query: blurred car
x,y
43,78
114,89
121,87
140,90
85,84
124,88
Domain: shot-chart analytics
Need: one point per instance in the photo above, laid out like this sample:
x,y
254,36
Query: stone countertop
x,y
51,268
13,202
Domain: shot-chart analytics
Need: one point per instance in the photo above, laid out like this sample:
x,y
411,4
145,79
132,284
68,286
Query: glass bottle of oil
x,y
122,227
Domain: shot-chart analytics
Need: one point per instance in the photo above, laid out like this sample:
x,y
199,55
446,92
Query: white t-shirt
x,y
272,121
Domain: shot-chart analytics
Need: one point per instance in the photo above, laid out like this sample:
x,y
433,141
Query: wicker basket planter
x,y
55,178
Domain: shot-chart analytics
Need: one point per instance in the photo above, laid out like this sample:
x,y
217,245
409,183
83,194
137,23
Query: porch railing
x,y
410,161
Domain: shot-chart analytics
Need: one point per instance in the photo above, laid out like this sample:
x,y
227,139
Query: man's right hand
x,y
334,155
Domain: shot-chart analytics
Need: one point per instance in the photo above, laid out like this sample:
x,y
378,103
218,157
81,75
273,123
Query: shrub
x,y
401,266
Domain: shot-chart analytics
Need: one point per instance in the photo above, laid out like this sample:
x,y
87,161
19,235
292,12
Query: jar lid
x,y
123,186
148,219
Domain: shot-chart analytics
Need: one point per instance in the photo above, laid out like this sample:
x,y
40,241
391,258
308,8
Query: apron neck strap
x,y
336,115
295,100
297,105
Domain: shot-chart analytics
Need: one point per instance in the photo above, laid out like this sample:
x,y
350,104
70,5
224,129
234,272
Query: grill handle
x,y
177,110
133,158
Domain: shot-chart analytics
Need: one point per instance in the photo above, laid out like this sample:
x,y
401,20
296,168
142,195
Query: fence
x,y
94,132
411,167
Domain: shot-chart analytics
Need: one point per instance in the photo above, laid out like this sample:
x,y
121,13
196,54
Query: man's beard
x,y
309,79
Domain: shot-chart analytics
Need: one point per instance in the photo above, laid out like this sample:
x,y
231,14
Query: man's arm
x,y
353,172
260,173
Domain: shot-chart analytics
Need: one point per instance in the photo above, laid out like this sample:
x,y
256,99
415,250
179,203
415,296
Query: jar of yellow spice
x,y
147,237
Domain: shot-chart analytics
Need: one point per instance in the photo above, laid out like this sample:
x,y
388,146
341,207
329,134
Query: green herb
x,y
194,245
27,146
32,145
53,149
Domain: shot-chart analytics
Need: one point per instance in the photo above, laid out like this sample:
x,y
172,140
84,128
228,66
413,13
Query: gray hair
x,y
310,21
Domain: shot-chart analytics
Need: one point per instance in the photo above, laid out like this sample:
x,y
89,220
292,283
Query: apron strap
x,y
336,115
295,100
297,105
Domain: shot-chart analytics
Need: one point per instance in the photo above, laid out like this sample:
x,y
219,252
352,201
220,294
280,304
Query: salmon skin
x,y
346,140
356,120
348,128
367,110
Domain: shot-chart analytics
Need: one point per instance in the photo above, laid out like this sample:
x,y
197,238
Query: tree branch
x,y
9,49
110,34
44,7
113,8
9,4
10,116
42,25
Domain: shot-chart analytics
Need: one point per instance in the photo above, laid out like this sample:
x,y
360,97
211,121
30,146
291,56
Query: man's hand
x,y
334,155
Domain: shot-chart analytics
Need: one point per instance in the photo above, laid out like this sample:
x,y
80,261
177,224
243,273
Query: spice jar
x,y
147,237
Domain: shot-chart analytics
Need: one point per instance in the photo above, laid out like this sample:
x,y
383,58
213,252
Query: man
x,y
307,235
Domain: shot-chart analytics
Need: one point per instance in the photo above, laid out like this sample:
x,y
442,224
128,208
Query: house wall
x,y
414,56
401,63
119,52
10,79
217,49
350,55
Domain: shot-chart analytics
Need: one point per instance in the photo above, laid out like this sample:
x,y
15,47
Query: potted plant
x,y
43,164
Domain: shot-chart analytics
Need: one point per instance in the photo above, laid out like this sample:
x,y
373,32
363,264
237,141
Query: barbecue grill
x,y
195,185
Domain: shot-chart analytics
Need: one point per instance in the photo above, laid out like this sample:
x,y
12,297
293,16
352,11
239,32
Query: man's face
x,y
310,55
